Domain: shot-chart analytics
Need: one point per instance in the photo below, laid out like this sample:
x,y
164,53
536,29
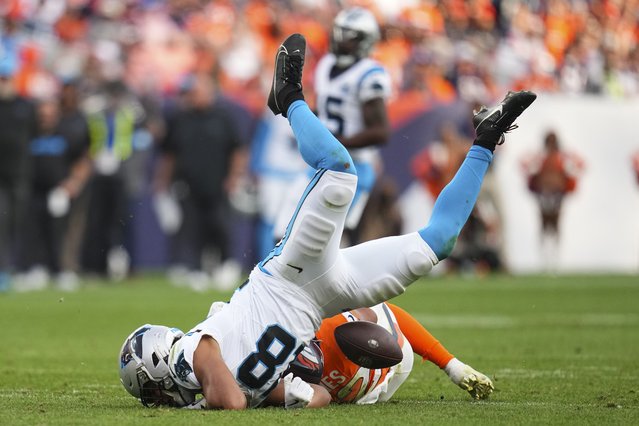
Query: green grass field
x,y
560,350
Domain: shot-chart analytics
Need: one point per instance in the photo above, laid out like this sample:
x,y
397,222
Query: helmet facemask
x,y
162,393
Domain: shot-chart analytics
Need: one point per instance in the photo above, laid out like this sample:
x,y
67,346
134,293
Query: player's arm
x,y
164,172
423,343
478,385
376,126
78,176
218,384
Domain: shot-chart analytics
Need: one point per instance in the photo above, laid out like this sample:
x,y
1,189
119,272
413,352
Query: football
x,y
368,344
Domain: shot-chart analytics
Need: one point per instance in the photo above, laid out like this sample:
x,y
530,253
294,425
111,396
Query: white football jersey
x,y
260,332
340,99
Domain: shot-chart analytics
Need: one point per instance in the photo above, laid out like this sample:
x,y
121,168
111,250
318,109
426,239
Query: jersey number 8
x,y
273,348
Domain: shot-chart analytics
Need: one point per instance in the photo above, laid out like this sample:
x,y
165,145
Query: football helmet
x,y
308,364
144,369
355,32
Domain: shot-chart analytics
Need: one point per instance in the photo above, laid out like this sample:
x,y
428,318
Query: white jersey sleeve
x,y
376,83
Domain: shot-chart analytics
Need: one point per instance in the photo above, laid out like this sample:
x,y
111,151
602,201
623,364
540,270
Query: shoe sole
x,y
517,97
281,50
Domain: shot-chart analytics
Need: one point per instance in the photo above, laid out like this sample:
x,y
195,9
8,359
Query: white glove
x,y
200,404
106,163
168,212
478,385
58,202
297,393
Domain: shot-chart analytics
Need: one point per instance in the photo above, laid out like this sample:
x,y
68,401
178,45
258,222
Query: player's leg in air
x,y
381,269
311,241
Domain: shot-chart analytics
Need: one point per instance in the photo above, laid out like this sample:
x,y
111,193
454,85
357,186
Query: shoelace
x,y
511,128
293,70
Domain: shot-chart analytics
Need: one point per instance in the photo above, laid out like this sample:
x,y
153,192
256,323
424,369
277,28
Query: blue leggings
x,y
321,150
318,146
455,203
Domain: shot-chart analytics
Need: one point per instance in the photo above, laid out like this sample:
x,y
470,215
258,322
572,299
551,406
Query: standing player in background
x,y
59,168
275,162
352,90
19,126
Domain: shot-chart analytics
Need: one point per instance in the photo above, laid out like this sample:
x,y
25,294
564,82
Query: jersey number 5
x,y
273,348
334,115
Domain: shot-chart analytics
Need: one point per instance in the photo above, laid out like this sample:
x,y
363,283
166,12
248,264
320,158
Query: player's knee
x,y
339,160
416,264
337,196
440,240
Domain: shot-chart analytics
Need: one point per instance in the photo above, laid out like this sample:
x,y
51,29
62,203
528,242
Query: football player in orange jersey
x,y
347,382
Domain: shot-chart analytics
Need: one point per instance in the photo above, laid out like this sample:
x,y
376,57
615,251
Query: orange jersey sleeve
x,y
423,343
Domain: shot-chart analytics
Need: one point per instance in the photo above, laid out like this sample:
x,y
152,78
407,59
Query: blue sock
x,y
318,146
455,203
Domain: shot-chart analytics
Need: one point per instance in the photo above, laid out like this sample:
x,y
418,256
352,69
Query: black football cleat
x,y
287,77
491,124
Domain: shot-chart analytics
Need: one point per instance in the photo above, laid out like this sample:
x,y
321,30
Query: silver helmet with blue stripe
x,y
144,369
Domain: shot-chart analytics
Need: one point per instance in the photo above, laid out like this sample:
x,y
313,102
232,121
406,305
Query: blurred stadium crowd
x,y
115,76
471,48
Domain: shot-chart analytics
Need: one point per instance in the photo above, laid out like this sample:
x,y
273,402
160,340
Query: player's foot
x,y
287,77
478,385
491,124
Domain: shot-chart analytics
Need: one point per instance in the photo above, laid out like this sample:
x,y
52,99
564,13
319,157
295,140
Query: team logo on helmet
x,y
182,368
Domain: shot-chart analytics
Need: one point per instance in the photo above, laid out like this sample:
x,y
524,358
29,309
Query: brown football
x,y
368,344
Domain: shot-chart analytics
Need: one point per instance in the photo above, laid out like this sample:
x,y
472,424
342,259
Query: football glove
x,y
478,385
297,393
58,202
168,211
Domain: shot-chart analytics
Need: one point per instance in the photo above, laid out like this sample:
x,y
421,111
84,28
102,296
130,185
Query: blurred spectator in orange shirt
x,y
551,176
436,164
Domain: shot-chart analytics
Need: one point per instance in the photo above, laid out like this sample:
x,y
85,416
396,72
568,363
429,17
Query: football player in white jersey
x,y
352,90
236,358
